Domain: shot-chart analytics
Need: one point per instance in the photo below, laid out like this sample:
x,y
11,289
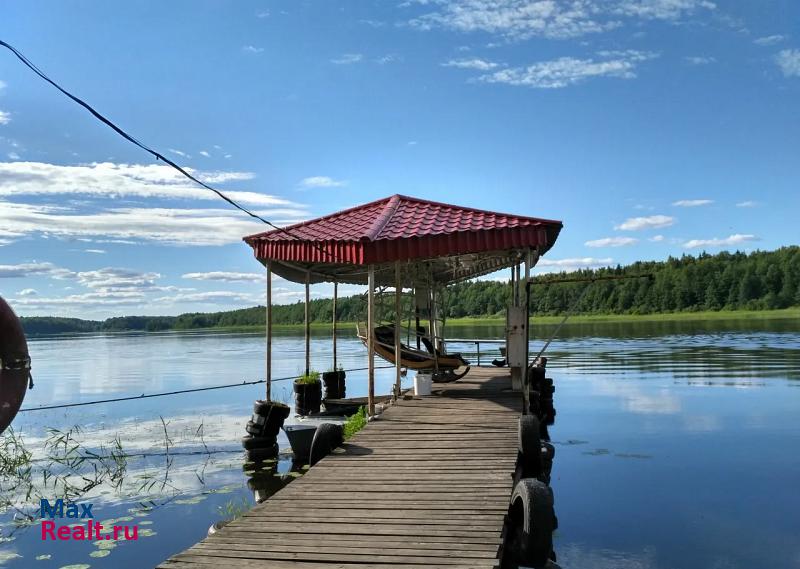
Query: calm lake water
x,y
677,444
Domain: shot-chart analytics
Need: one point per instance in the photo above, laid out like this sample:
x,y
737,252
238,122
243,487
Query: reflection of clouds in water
x,y
635,400
577,555
186,473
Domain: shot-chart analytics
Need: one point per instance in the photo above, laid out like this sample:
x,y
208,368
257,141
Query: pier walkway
x,y
427,484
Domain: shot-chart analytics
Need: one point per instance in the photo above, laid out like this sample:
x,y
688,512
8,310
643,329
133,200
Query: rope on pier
x,y
177,392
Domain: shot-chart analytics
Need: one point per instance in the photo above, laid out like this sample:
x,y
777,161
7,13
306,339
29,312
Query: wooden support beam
x,y
333,319
398,290
308,323
371,340
269,331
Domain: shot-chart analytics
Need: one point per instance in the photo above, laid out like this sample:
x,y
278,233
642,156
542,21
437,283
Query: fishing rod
x,y
574,304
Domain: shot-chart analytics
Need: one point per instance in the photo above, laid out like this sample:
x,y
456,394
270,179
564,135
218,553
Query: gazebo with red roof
x,y
403,242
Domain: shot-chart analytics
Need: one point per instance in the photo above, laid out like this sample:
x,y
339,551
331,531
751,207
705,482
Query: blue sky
x,y
650,127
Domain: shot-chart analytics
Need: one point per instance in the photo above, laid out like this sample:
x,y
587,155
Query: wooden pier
x,y
427,484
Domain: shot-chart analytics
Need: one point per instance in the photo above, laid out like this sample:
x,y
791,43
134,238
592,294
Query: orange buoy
x,y
15,365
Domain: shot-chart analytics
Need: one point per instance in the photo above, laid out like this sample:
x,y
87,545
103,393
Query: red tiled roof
x,y
401,228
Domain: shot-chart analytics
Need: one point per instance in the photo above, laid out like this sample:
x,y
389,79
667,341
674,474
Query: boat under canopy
x,y
404,243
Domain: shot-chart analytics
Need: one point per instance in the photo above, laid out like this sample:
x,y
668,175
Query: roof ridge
x,y
381,222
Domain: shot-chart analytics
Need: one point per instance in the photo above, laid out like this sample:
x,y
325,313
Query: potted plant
x,y
308,393
334,383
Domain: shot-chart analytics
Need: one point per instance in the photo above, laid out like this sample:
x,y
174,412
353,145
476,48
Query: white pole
x,y
398,289
371,340
269,331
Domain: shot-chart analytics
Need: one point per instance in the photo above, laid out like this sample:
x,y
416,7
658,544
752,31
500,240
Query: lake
x,y
676,443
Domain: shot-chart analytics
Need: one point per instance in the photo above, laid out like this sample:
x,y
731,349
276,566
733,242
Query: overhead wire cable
x,y
158,155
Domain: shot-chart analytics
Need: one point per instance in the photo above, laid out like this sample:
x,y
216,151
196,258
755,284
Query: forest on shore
x,y
761,280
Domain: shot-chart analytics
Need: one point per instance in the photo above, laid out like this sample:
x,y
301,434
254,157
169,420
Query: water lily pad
x,y
100,553
44,557
146,532
76,566
7,539
146,523
193,500
105,543
8,556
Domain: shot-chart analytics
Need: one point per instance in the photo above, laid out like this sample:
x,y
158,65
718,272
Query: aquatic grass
x,y
355,422
234,509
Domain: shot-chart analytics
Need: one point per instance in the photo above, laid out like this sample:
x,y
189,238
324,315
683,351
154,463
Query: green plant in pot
x,y
334,383
308,393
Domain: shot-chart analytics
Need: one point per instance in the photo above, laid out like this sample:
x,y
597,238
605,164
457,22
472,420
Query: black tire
x,y
253,429
534,520
266,408
262,454
530,445
250,442
327,437
548,451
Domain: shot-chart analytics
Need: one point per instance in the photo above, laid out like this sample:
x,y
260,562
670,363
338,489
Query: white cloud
x,y
197,227
567,71
699,60
111,279
661,9
263,14
479,64
692,203
389,58
769,40
522,19
110,180
3,85
736,239
412,143
212,297
13,156
650,222
612,242
226,276
656,238
321,182
789,62
252,49
27,292
347,59
747,203
572,264
35,268
5,117
177,152
95,251
204,153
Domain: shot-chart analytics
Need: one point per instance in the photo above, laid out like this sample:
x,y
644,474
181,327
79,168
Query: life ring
x,y
15,365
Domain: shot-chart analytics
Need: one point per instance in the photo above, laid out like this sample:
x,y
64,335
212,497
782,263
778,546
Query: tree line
x,y
761,280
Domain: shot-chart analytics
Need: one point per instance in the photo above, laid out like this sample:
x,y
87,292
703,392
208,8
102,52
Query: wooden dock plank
x,y
427,484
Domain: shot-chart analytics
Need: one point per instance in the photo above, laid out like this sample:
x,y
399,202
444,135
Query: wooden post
x,y
398,289
434,313
371,340
335,294
269,331
308,324
524,303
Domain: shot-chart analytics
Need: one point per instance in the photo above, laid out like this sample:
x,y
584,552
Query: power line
x,y
158,155
165,393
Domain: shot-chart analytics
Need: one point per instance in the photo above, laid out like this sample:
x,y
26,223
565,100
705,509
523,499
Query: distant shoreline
x,y
699,316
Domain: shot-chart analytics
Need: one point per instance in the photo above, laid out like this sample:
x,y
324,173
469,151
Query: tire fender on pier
x,y
15,365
